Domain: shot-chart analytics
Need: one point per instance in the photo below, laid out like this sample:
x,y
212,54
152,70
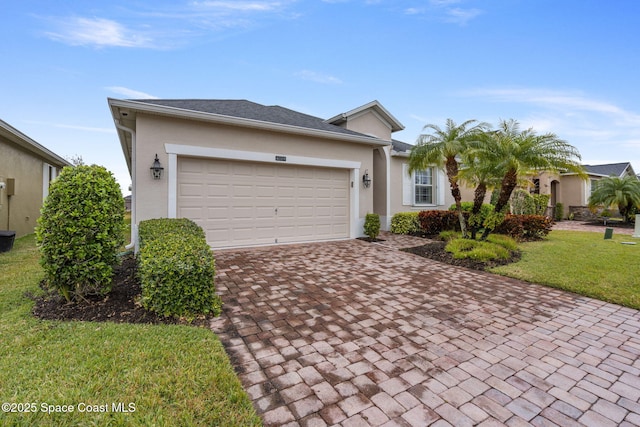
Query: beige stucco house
x,y
251,174
574,191
26,169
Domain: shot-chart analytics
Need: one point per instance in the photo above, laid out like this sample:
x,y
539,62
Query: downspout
x,y
134,224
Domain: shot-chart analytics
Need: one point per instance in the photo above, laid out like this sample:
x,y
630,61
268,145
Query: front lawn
x,y
584,263
161,374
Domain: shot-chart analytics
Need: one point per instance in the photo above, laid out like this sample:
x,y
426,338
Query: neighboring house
x,y
26,169
573,191
251,174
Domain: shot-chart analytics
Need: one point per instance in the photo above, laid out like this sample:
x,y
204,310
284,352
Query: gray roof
x,y
250,110
613,169
401,147
15,136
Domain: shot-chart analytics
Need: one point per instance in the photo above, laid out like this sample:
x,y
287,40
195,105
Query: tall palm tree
x,y
614,191
515,153
482,174
442,148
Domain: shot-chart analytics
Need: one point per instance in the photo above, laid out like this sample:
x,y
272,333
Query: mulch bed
x,y
119,306
435,251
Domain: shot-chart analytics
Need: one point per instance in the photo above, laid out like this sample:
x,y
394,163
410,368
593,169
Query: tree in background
x,y
614,191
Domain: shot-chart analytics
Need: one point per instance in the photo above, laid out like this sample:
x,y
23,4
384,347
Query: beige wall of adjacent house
x,y
20,211
574,191
153,132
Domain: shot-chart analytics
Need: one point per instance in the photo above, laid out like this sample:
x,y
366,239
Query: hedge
x,y
525,227
405,223
176,269
434,222
80,231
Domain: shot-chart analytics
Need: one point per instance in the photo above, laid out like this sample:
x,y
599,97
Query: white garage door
x,y
243,203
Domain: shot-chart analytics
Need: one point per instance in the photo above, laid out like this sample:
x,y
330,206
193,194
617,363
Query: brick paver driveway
x,y
353,334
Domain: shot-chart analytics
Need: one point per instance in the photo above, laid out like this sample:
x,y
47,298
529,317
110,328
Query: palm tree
x,y
515,153
442,147
482,174
621,192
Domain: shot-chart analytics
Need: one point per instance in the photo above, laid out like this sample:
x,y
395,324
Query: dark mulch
x,y
369,239
435,251
119,306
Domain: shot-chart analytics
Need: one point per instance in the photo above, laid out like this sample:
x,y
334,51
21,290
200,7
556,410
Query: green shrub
x,y
541,202
176,269
559,212
372,225
477,220
523,203
405,223
477,250
80,231
157,228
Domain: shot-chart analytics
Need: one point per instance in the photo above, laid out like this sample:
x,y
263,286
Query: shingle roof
x,y
401,147
251,110
613,169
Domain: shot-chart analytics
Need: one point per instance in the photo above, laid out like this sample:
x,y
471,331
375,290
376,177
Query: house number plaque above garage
x,y
281,158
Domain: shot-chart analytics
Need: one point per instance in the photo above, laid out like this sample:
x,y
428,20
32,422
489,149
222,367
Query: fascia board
x,y
399,153
242,122
375,106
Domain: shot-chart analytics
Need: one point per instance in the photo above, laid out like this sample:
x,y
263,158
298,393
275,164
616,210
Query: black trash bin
x,y
6,240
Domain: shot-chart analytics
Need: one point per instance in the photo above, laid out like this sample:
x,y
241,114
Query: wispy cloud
x,y
317,77
461,16
72,127
165,26
97,32
568,102
130,93
604,131
443,10
244,6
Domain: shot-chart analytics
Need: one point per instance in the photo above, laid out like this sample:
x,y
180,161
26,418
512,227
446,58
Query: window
x,y
423,187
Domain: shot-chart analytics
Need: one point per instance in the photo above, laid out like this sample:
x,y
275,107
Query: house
x,y
251,174
574,191
26,169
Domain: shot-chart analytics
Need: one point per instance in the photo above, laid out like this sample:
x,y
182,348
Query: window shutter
x,y
407,186
441,187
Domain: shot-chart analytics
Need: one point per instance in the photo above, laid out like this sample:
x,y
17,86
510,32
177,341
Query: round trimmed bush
x,y
80,231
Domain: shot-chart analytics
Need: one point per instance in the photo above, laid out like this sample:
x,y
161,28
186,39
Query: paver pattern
x,y
353,333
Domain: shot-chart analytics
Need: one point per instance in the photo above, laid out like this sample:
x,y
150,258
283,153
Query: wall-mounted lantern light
x,y
366,181
156,169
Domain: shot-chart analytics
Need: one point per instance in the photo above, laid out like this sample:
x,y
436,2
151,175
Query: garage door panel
x,y
243,203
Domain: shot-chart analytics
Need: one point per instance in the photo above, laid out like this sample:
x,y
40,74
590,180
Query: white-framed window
x,y
423,187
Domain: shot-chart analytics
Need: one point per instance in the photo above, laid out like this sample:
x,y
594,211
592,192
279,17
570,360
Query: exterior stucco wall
x,y
20,211
397,205
369,123
574,191
153,132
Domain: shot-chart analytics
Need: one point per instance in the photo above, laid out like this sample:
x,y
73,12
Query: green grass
x,y
584,263
174,375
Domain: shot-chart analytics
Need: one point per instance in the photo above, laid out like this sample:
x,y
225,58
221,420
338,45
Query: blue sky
x,y
563,66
